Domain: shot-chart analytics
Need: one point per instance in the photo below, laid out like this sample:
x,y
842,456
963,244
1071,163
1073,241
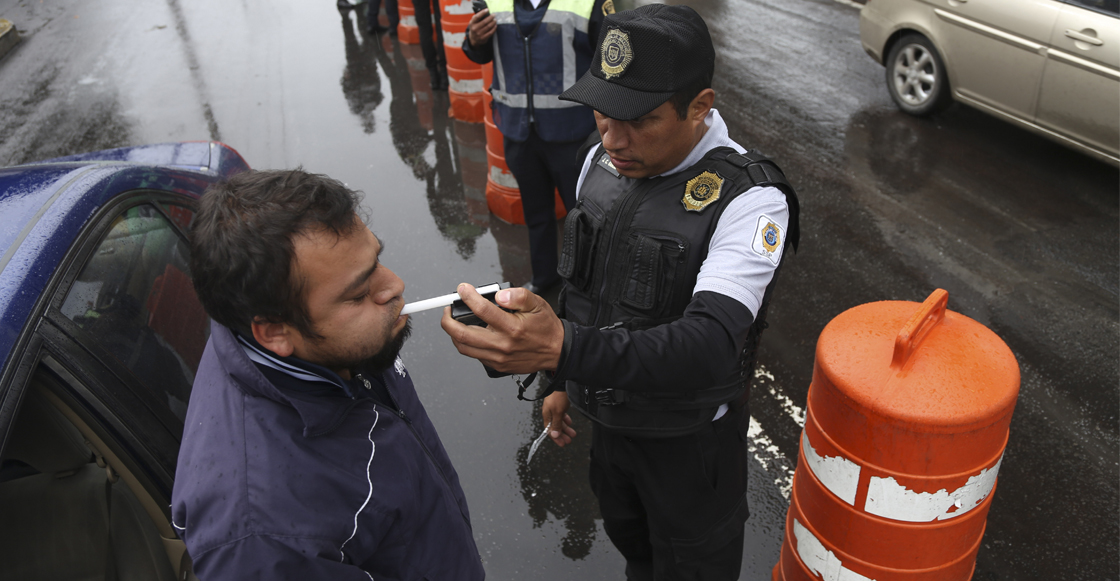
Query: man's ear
x,y
701,104
276,337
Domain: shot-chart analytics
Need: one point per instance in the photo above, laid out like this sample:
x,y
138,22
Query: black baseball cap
x,y
642,58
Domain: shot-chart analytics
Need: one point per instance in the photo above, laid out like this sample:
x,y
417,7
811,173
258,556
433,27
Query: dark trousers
x,y
541,168
427,19
675,507
374,6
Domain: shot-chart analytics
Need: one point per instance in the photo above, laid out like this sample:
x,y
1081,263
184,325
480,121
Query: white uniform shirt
x,y
738,264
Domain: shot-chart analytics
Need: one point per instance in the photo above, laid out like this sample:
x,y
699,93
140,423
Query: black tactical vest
x,y
631,255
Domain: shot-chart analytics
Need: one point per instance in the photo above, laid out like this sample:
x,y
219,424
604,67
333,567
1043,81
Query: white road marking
x,y
762,376
773,461
761,447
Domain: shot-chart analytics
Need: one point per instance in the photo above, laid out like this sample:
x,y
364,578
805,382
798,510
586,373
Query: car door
x,y
994,50
1080,93
110,361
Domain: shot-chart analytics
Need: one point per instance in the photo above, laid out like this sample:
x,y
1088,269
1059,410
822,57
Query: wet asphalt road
x,y
1022,233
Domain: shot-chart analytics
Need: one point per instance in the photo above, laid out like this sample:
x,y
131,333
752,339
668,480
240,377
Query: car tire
x,y
916,76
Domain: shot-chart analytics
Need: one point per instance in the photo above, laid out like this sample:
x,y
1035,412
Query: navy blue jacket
x,y
307,476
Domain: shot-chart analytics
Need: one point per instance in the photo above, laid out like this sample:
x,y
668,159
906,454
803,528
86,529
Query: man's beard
x,y
377,362
388,354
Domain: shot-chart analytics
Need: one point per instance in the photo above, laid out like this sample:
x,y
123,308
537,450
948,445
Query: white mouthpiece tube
x,y
443,301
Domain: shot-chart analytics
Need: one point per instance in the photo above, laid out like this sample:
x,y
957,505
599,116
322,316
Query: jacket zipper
x,y
528,77
400,413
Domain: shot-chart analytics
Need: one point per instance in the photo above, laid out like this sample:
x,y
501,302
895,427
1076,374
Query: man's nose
x,y
614,135
392,286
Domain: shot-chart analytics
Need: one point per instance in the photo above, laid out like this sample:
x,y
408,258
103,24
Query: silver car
x,y
1051,66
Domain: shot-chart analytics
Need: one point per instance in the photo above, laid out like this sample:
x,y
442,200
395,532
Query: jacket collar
x,y
292,372
319,395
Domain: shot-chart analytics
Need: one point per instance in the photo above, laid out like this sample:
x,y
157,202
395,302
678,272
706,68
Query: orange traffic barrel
x,y
454,33
455,16
459,11
494,137
906,424
464,91
407,32
465,83
503,196
487,98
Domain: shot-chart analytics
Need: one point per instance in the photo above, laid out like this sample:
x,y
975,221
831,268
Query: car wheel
x,y
916,76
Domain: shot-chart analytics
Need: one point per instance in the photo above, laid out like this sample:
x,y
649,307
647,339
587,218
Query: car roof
x,y
46,205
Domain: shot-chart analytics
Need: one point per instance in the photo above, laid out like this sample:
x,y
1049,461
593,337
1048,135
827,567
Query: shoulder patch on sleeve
x,y
768,239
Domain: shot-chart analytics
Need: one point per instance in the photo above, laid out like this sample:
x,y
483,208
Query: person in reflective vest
x,y
539,48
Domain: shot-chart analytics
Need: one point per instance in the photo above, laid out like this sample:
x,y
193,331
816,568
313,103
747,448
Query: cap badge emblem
x,y
701,191
616,54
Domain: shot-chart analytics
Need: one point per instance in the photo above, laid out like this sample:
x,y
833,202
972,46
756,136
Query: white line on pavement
x,y
773,461
762,376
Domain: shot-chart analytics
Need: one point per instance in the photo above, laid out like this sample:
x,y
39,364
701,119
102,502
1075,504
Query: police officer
x,y
539,48
670,259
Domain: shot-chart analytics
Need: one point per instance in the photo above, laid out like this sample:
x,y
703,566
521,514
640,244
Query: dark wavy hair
x,y
242,254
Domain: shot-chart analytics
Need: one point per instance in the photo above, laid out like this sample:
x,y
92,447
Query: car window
x,y
135,299
181,215
1107,6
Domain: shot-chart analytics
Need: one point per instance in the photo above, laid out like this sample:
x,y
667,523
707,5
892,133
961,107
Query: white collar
x,y
715,136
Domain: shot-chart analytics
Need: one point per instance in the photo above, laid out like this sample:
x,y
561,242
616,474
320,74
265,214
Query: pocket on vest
x,y
654,259
581,240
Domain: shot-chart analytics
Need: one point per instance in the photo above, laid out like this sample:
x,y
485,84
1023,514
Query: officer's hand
x,y
555,410
526,340
481,28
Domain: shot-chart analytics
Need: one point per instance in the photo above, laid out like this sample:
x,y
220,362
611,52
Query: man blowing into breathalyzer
x,y
306,451
669,262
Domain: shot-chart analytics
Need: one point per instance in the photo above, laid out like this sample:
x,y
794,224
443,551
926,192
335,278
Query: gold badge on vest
x,y
616,54
701,191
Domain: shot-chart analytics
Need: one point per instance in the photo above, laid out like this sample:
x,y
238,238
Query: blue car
x,y
100,337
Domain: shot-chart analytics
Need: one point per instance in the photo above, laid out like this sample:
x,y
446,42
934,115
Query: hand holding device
x,y
459,310
482,25
523,333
